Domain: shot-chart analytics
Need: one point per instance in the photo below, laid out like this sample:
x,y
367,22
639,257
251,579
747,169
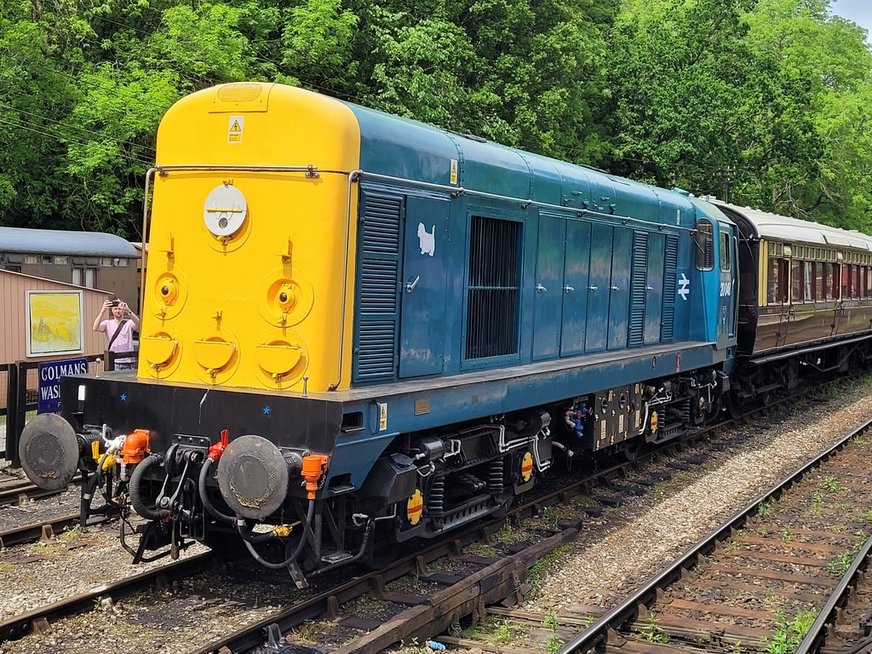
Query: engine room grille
x,y
375,355
639,288
493,289
670,263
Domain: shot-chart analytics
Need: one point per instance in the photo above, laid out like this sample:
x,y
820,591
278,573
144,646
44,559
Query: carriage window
x,y
820,289
846,282
808,281
855,282
725,251
492,293
796,281
705,245
776,285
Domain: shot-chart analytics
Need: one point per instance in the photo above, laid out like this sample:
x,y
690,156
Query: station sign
x,y
50,374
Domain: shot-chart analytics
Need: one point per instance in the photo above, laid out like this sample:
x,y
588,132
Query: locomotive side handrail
x,y
525,202
355,176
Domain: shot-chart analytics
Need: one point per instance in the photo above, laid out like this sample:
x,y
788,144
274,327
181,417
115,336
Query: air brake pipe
x,y
240,527
136,498
204,496
87,497
89,489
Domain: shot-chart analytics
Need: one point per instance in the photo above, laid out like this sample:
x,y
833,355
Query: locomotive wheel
x,y
225,544
733,405
633,449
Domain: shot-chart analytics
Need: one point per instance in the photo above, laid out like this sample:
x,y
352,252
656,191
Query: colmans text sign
x,y
50,374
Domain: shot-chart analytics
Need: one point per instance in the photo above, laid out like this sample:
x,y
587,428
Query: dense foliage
x,y
765,102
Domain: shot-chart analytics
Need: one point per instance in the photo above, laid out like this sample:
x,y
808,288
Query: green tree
x,y
35,94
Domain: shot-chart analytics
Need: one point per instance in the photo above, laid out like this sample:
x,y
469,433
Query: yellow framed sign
x,y
54,323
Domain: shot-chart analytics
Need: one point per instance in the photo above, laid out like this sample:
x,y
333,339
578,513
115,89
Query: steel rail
x,y
818,632
11,491
626,610
20,625
37,530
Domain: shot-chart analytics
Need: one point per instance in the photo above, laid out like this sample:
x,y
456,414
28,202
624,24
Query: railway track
x,y
430,591
469,582
39,619
21,490
762,577
500,576
43,529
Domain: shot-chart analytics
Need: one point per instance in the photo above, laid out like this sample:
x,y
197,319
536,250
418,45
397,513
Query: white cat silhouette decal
x,y
427,240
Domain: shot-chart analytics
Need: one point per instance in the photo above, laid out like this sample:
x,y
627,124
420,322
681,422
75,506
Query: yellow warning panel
x,y
234,129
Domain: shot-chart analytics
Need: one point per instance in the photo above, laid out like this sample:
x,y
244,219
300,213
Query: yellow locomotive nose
x,y
251,247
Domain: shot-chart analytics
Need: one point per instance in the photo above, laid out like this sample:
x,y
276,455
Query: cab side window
x,y
725,253
705,245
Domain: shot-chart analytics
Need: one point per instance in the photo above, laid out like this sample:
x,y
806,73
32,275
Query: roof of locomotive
x,y
55,241
408,149
774,227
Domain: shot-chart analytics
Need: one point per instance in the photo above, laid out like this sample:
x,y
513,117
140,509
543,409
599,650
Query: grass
x,y
661,490
831,484
480,549
414,646
788,633
492,630
840,564
508,536
554,641
732,546
652,631
310,632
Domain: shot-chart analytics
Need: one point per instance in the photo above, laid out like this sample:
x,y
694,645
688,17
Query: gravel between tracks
x,y
609,560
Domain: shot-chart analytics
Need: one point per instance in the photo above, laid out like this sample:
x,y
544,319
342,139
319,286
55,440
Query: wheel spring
x,y
436,503
495,476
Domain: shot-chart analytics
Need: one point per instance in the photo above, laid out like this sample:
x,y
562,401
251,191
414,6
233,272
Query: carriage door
x,y
726,329
548,299
422,294
598,291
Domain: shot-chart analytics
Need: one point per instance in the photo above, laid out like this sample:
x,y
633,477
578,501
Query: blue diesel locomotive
x,y
361,329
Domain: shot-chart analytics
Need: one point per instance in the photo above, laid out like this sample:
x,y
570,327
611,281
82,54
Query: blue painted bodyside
x,y
431,404
606,277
